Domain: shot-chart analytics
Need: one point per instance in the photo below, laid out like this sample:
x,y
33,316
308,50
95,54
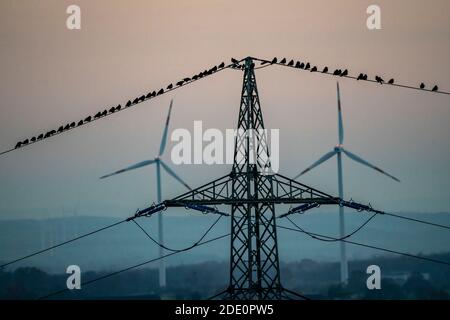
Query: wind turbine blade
x,y
173,174
134,166
340,124
166,128
315,164
364,162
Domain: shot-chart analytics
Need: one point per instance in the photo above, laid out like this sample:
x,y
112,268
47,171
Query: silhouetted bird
x,y
25,141
128,103
161,91
337,72
360,77
307,66
88,119
60,129
142,98
47,135
379,79
195,77
112,110
154,94
221,65
291,63
391,81
297,64
149,95
302,65
365,77
104,113
274,60
422,85
283,61
135,100
179,83
40,136
344,73
234,60
118,107
72,125
214,69
170,86
67,127
435,88
325,70
80,122
186,79
97,115
19,144
314,69
33,139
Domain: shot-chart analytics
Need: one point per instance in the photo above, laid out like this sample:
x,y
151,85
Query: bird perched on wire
x,y
88,119
135,100
344,73
80,122
297,64
18,145
302,65
307,66
170,86
104,113
325,70
391,81
161,91
97,115
67,127
274,60
179,83
360,77
422,85
283,61
337,72
221,65
25,141
118,107
72,125
435,88
33,139
40,136
234,61
112,110
128,103
379,79
291,63
314,69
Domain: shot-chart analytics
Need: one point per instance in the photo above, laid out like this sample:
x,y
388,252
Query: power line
x,y
61,244
131,267
178,250
350,77
298,229
114,110
417,220
337,239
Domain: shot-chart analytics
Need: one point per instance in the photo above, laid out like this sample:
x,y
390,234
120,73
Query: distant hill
x,y
125,244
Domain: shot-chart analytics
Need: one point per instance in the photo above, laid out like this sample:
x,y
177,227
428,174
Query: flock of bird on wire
x,y
235,65
130,103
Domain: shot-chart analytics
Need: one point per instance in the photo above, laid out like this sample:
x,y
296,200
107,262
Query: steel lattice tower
x,y
252,191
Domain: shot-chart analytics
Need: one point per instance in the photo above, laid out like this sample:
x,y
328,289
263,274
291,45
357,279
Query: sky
x,y
51,76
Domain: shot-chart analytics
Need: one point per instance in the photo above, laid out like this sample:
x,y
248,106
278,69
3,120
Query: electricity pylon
x,y
252,191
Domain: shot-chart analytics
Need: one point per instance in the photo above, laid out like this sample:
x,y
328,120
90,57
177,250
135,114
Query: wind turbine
x,y
338,150
159,163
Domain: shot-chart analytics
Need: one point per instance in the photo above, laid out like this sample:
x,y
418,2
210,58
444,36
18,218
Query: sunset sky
x,y
51,76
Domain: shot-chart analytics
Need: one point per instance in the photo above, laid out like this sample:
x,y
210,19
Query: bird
x,y
274,60
40,136
154,94
214,69
337,72
97,115
314,69
283,61
135,100
179,83
422,85
47,135
297,64
118,107
307,66
128,103
33,139
170,86
104,113
161,91
365,77
344,73
291,63
18,145
88,119
435,88
379,79
67,127
234,60
188,79
149,95
60,129
391,81
72,125
325,70
80,122
112,110
25,141
221,65
302,65
360,77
